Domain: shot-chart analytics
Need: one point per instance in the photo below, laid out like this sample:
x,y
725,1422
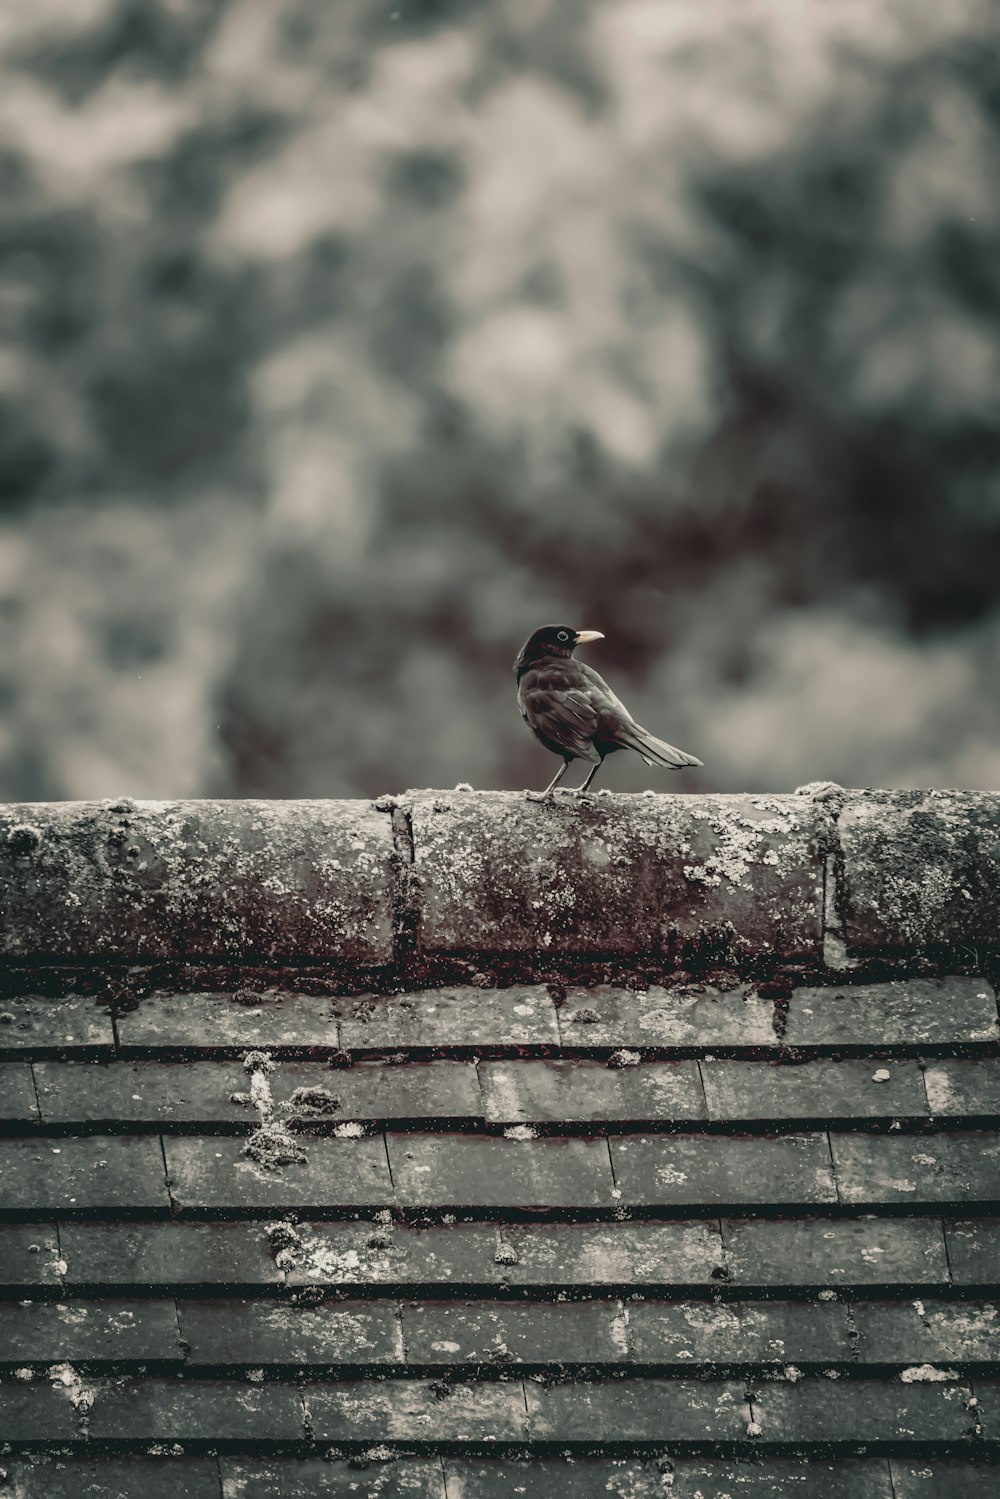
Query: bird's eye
x,y
562,635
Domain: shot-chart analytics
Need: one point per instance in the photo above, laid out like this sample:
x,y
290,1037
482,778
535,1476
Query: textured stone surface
x,y
739,1332
587,1092
197,879
928,1332
146,1093
36,1412
479,1171
641,1410
465,1018
18,1104
438,1091
73,1025
217,1022
974,1251
45,1333
29,1256
948,1168
920,869
251,1333
212,1176
906,1012
943,1478
824,1090
415,1410
666,1018
503,1333
829,1255
647,1255
133,1477
691,1171
195,1411
496,873
673,1478
377,1255
150,1256
821,1410
326,1478
964,1088
77,1177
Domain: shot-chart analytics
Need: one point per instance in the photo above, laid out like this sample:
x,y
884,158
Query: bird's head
x,y
553,640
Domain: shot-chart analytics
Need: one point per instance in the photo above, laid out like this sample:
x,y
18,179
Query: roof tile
x,y
638,1410
572,1091
116,1256
822,1090
45,1332
666,1019
690,1171
74,1024
819,1410
251,1333
904,1012
76,1177
952,1168
416,1410
831,1254
211,1176
483,1171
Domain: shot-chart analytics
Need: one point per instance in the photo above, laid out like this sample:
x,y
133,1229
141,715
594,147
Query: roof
x,y
459,1147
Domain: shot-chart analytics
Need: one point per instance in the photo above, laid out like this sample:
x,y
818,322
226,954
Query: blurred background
x,y
342,343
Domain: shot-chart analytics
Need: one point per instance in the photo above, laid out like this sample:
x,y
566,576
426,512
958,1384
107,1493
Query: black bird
x,y
573,711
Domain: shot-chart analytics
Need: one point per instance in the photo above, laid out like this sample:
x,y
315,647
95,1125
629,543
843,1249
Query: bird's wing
x,y
563,714
615,723
599,694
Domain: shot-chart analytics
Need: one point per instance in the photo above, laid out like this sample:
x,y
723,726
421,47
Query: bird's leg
x,y
541,796
582,790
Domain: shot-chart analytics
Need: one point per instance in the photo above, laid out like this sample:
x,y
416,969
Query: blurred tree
x,y
340,346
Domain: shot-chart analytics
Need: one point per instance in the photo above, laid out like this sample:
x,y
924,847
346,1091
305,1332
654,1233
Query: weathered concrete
x,y
672,876
208,879
919,869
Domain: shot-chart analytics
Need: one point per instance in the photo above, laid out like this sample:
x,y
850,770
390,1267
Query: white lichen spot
x,y
669,1176
881,1075
520,1132
65,1377
351,1129
927,1374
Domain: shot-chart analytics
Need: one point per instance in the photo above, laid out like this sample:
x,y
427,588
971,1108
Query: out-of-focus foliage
x,y
341,344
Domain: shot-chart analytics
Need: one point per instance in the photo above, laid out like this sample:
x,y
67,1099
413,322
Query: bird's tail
x,y
655,751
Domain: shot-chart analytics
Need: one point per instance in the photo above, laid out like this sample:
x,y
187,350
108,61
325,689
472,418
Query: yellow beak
x,y
582,636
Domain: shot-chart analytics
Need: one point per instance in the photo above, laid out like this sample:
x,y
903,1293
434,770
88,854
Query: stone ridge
x,y
823,879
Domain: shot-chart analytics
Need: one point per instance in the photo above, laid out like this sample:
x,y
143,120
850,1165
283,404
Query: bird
x,y
570,708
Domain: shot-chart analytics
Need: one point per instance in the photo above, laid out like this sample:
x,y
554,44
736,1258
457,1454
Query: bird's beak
x,y
582,636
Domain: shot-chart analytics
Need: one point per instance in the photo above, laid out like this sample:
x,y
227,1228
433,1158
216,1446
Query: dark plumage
x,y
573,711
